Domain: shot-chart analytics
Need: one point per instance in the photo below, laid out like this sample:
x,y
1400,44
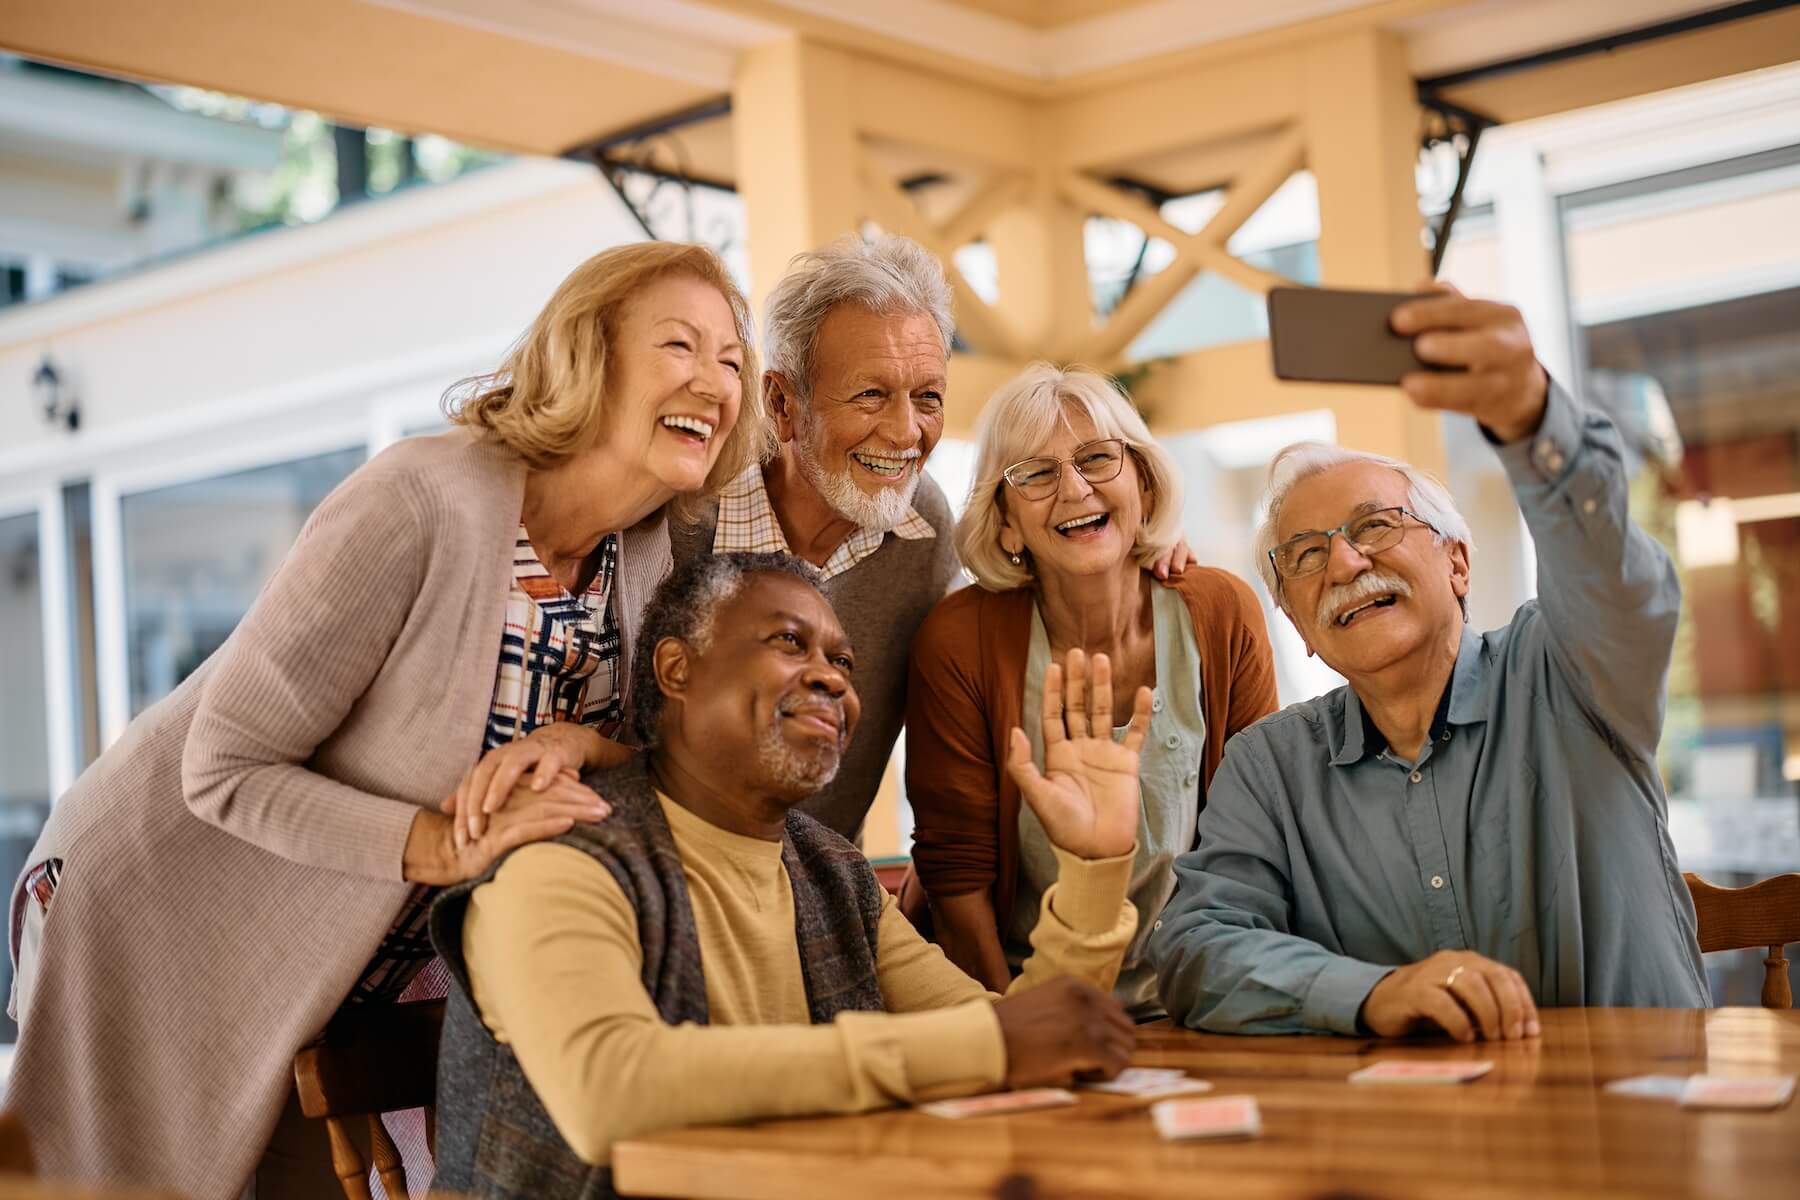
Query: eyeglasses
x,y
1038,478
1371,533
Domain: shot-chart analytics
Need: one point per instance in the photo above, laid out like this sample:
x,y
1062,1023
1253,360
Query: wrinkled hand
x,y
536,759
1087,795
1062,1028
435,853
1174,560
1501,383
1483,999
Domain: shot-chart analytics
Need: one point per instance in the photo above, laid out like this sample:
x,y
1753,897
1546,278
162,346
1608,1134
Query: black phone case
x,y
1324,335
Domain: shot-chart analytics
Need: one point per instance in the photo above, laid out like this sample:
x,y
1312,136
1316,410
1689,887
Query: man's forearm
x,y
1227,979
631,1077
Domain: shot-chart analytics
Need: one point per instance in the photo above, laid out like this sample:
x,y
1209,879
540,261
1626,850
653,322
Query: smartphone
x,y
1325,335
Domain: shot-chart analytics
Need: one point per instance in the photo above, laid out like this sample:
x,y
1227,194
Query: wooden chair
x,y
15,1146
1763,914
372,1061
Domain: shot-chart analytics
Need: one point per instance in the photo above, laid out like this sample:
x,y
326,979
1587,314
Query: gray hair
x,y
890,274
684,607
1426,497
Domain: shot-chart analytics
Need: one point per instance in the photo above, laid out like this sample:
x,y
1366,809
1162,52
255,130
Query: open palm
x,y
1086,796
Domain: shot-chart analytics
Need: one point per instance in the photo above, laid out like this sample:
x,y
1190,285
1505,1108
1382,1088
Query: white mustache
x,y
1337,598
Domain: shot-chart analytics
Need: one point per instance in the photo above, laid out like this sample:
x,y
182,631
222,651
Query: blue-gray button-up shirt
x,y
1532,829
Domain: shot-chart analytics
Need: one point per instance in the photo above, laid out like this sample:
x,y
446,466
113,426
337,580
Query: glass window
x,y
24,739
197,554
1708,398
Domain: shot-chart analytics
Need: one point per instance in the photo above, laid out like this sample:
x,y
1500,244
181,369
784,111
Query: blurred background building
x,y
242,253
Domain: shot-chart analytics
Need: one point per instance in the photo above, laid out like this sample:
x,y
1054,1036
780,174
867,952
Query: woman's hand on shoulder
x,y
530,764
439,852
1173,561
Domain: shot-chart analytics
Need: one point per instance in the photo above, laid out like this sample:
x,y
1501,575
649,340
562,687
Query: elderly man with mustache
x,y
709,954
1475,825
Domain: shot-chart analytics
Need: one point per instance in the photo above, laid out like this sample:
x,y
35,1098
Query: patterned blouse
x,y
559,661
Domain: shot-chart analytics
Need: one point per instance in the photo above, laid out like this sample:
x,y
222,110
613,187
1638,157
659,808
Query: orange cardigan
x,y
964,692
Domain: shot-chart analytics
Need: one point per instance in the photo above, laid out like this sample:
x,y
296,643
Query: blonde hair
x,y
1016,422
545,401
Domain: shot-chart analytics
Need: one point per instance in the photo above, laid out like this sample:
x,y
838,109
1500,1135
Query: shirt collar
x,y
1464,702
747,523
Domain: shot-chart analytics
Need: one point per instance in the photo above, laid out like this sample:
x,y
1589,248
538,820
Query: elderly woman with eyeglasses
x,y
1072,501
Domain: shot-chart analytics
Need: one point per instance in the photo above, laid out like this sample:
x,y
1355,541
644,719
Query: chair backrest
x,y
15,1146
373,1060
1763,914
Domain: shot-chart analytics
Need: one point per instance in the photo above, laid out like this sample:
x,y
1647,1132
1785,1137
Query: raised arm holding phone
x,y
1475,825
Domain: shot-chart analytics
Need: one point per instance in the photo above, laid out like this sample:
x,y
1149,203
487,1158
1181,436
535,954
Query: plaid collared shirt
x,y
747,523
559,661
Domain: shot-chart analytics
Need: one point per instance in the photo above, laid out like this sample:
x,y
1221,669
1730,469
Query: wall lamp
x,y
55,397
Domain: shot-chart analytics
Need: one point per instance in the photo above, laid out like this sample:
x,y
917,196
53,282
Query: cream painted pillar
x,y
795,152
1362,141
1045,298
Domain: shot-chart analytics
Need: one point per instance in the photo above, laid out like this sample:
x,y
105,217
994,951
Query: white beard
x,y
881,511
809,772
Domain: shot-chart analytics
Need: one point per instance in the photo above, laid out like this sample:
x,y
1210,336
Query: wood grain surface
x,y
1538,1126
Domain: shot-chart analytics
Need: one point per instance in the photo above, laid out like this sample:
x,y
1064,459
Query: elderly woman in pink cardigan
x,y
257,850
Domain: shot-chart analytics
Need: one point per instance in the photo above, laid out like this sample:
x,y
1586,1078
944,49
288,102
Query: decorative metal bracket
x,y
1461,129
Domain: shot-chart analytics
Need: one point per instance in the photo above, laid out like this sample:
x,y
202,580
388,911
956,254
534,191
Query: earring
x,y
1016,560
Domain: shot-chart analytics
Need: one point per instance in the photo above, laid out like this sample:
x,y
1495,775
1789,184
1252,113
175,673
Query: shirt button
x,y
1174,741
1589,505
1158,924
1446,736
1437,881
1190,779
1156,702
1556,462
1416,776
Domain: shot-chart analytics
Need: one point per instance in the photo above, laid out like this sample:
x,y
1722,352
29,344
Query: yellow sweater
x,y
555,968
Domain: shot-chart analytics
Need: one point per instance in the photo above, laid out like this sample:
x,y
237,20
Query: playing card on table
x,y
999,1102
1150,1083
1416,1070
1652,1087
1227,1116
1719,1091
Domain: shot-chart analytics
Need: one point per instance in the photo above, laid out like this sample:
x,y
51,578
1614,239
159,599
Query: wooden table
x,y
1538,1125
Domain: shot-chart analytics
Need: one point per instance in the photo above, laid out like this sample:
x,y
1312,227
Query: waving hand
x,y
1087,794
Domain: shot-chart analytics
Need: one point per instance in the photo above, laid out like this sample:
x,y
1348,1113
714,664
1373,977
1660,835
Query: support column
x,y
796,153
1362,135
1044,293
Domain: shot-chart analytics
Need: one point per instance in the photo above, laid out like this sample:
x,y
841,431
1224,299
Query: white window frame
x,y
269,443
46,502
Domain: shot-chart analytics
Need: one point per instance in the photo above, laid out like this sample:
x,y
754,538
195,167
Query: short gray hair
x,y
1426,497
1015,424
684,607
890,274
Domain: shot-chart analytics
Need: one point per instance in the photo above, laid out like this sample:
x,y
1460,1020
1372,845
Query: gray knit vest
x,y
881,602
494,1139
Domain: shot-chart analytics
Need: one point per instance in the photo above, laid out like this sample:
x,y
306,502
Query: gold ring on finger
x,y
1450,979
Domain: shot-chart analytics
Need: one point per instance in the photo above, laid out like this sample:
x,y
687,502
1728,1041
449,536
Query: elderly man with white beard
x,y
1475,825
857,337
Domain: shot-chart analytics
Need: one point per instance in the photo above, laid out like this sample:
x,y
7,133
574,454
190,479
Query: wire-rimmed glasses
x,y
1037,478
